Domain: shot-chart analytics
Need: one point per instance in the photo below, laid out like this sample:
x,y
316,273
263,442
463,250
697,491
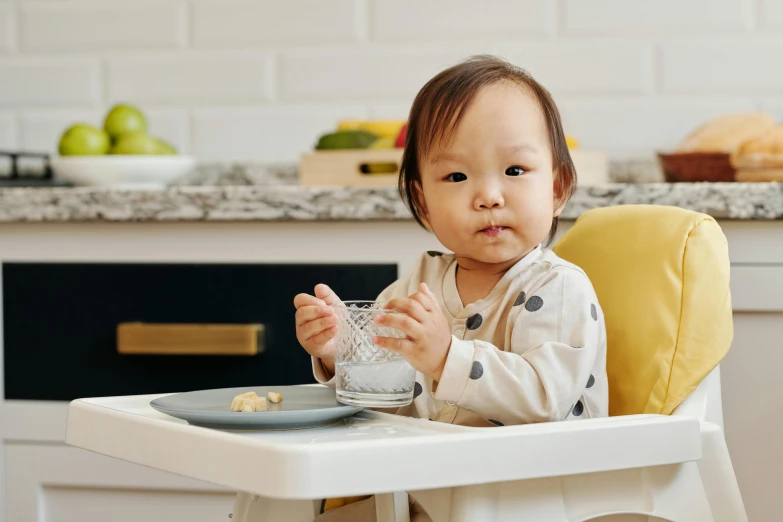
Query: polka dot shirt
x,y
533,350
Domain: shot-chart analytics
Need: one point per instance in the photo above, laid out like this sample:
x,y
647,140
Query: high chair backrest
x,y
662,278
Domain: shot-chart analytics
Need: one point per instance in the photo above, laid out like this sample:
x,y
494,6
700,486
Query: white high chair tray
x,y
302,407
373,452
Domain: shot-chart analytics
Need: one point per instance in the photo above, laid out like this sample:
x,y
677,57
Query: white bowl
x,y
119,170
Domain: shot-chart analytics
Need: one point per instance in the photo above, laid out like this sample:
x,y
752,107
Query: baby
x,y
502,331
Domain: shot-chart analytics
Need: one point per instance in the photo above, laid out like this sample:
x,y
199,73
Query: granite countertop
x,y
242,192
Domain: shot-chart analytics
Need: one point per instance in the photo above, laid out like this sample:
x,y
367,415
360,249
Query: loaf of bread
x,y
727,133
756,175
762,152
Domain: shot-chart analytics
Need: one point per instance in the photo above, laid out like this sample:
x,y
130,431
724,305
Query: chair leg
x,y
392,507
717,474
252,508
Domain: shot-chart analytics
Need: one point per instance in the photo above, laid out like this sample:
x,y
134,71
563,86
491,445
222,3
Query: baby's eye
x,y
515,171
456,177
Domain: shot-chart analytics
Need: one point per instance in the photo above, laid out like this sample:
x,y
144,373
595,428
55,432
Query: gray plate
x,y
302,407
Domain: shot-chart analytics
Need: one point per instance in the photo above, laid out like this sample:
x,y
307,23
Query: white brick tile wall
x,y
278,133
262,22
771,14
633,126
48,82
583,66
403,20
260,79
97,24
7,32
686,17
391,74
7,131
176,78
735,66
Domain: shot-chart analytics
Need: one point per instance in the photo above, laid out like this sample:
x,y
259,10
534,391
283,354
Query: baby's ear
x,y
421,203
559,193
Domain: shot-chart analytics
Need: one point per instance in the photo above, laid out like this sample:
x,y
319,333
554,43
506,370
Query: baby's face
x,y
489,194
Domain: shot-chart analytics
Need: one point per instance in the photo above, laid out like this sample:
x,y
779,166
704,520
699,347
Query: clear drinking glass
x,y
366,374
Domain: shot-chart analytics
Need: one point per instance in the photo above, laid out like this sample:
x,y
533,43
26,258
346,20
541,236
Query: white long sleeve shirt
x,y
533,350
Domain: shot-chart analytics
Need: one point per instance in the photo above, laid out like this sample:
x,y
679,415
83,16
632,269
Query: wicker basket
x,y
697,166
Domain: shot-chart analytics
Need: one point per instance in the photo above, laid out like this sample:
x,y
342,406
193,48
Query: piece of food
x,y
274,397
122,119
383,143
135,143
727,133
84,140
165,148
381,128
347,139
399,142
248,402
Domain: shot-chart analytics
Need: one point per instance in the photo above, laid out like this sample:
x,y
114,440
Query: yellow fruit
x,y
383,143
83,140
381,128
571,142
122,119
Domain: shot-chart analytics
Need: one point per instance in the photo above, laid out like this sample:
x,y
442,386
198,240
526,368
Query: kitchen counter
x,y
289,202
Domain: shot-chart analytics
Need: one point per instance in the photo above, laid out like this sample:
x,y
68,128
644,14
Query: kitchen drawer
x,y
60,322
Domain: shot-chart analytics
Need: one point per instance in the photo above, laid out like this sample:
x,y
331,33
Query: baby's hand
x,y
316,323
428,335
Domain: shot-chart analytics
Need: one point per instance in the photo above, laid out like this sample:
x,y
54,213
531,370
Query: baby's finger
x,y
426,289
326,294
307,300
325,338
404,322
309,313
395,344
407,306
312,328
424,300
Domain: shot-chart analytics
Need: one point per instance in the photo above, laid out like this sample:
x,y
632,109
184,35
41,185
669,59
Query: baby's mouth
x,y
493,231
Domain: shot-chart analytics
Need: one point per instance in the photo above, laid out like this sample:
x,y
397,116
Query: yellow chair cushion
x,y
662,278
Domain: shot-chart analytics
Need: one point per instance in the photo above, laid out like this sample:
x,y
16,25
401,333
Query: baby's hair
x,y
438,109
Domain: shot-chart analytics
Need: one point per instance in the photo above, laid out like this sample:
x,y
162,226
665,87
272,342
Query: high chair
x,y
662,277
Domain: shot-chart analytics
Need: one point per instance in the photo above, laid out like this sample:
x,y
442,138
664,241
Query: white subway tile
x,y
41,129
7,132
7,34
359,74
633,126
275,133
100,25
687,17
48,81
737,66
603,67
222,23
221,77
773,106
403,20
771,14
390,111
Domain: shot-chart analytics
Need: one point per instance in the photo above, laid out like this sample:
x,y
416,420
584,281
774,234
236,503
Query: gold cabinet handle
x,y
190,339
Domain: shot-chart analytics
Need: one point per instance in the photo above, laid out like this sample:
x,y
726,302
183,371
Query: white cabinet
x,y
57,483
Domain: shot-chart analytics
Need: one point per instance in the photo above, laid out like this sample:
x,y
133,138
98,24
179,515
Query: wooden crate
x,y
351,168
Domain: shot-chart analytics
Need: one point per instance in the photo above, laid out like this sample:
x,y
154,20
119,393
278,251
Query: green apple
x,y
135,143
84,140
122,119
165,147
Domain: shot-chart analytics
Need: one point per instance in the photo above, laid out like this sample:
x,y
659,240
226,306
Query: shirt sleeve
x,y
554,345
